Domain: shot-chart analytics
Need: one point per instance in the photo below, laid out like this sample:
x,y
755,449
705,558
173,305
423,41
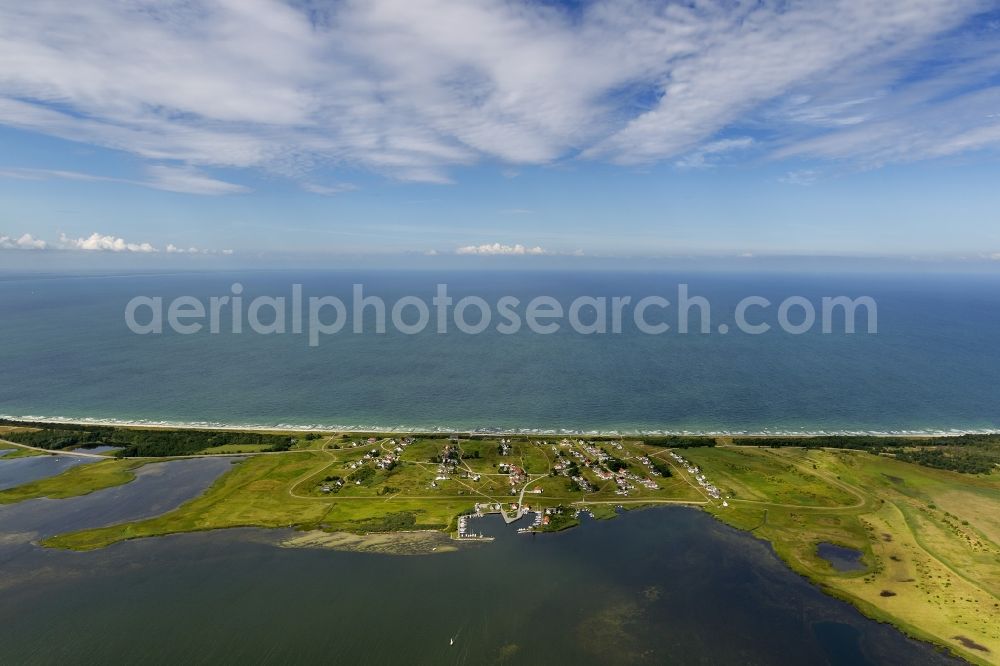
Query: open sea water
x,y
66,352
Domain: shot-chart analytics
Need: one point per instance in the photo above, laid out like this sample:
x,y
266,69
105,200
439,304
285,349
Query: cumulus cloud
x,y
499,248
25,242
410,88
98,243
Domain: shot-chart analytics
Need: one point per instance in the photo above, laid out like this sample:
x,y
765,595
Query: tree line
x,y
134,442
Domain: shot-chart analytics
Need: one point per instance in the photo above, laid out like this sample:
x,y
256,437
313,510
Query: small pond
x,y
841,558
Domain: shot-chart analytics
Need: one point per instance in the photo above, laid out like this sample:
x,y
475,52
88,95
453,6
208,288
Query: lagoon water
x,y
667,585
65,351
158,488
19,471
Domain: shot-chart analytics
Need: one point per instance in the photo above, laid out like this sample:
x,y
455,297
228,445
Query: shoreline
x,y
438,430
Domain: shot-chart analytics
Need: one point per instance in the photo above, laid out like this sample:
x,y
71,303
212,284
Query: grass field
x,y
750,475
235,448
928,538
287,490
258,492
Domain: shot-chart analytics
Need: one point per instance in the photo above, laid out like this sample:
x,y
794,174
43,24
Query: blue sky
x,y
257,131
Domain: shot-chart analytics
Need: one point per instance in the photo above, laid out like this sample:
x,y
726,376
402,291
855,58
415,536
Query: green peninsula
x,y
922,516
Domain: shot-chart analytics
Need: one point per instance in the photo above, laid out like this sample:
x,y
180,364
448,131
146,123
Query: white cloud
x,y
45,174
759,53
25,242
329,190
173,249
500,249
409,88
172,179
702,157
800,177
188,181
98,243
